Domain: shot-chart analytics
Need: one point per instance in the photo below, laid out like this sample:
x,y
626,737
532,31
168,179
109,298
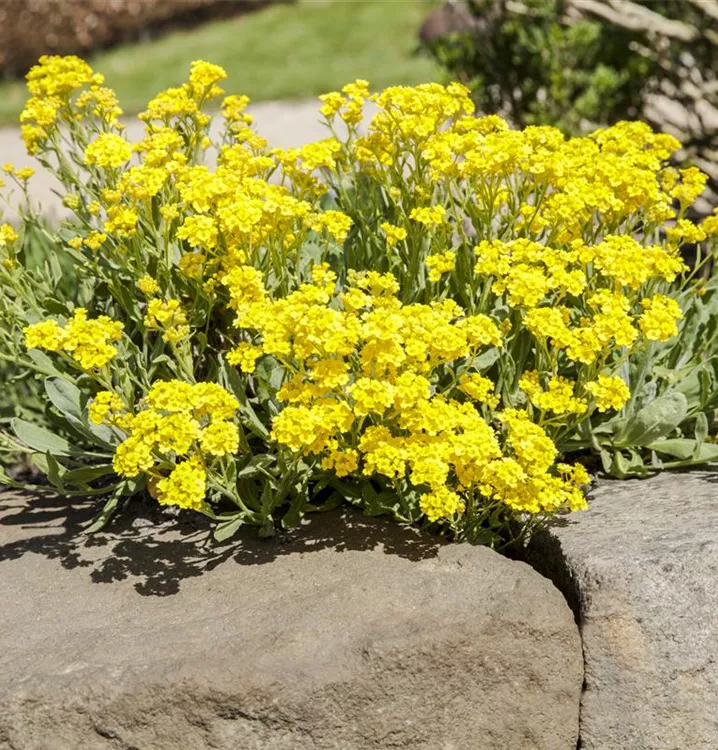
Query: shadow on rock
x,y
157,548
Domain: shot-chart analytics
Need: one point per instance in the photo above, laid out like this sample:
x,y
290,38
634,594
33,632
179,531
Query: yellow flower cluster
x,y
51,82
108,151
168,317
493,284
365,394
179,420
558,397
7,235
609,391
87,341
440,263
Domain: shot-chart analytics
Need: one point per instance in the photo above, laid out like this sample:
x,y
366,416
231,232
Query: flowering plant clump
x,y
435,316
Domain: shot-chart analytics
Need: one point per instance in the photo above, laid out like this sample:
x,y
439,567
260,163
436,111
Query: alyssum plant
x,y
426,320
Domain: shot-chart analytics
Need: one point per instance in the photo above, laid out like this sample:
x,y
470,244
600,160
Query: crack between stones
x,y
545,555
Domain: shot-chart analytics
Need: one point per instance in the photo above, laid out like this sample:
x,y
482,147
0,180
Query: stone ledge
x,y
640,569
357,634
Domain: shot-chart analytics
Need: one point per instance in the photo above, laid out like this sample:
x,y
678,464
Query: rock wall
x,y
357,635
640,569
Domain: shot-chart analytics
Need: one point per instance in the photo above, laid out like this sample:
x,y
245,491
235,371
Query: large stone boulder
x,y
641,570
353,634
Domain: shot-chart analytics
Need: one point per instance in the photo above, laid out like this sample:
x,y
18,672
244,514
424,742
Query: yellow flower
x,y
59,76
429,215
121,221
45,335
7,235
659,321
440,263
147,285
245,356
104,407
168,317
95,240
441,504
336,223
558,396
204,75
170,396
371,396
534,450
86,340
479,388
132,457
34,137
233,108
108,150
393,234
331,103
185,487
685,231
210,399
220,438
609,392
343,462
199,231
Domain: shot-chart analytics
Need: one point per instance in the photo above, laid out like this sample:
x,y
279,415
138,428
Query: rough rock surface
x,y
641,569
353,634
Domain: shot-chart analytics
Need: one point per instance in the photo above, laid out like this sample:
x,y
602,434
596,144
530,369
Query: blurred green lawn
x,y
282,52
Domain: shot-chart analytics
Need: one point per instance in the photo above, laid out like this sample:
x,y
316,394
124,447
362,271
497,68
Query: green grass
x,y
282,52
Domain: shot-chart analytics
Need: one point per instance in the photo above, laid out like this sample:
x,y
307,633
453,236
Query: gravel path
x,y
283,123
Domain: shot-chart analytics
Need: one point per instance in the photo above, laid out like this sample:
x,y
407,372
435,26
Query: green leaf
x,y
621,467
255,465
40,439
636,466
334,501
656,420
65,397
253,422
373,503
43,363
685,448
701,432
55,471
485,360
227,529
293,517
705,380
102,518
86,474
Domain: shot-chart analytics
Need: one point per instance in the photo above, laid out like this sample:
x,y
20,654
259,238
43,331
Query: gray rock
x,y
641,570
353,634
